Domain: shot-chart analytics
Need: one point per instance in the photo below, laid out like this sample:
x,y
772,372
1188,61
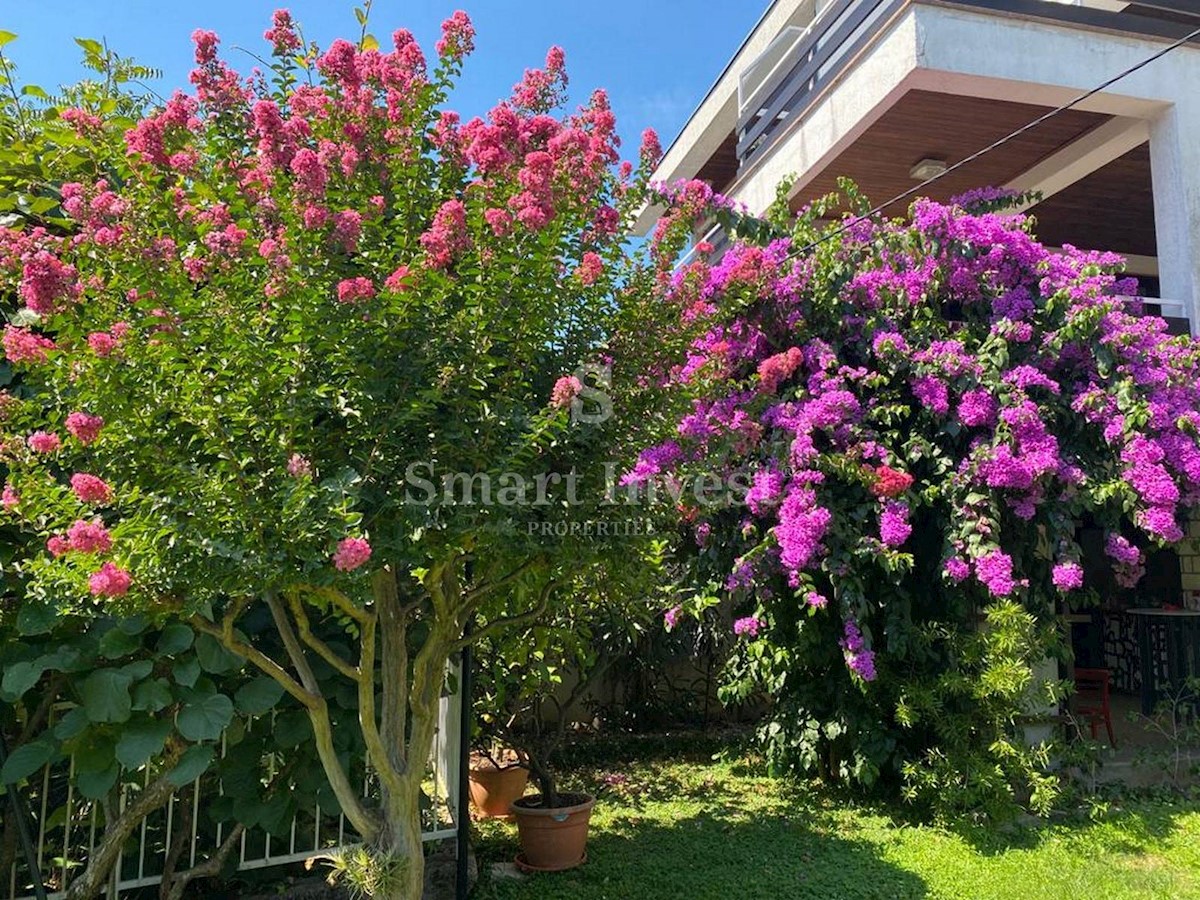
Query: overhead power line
x,y
999,143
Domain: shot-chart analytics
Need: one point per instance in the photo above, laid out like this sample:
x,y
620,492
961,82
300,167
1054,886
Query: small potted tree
x,y
531,683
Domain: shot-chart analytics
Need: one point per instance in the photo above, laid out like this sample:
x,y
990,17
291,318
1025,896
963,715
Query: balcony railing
x,y
787,79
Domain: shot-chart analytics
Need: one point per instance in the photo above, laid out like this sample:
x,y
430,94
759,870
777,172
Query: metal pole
x,y
20,813
461,881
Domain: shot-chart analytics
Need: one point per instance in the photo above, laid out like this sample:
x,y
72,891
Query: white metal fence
x,y
69,826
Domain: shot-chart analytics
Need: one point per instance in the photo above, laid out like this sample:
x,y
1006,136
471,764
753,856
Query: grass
x,y
695,829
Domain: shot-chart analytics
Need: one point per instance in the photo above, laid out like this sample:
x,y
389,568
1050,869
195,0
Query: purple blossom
x,y
859,659
747,626
1068,576
995,571
894,528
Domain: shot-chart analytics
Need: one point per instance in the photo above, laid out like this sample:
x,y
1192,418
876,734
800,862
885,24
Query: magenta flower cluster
x,y
964,374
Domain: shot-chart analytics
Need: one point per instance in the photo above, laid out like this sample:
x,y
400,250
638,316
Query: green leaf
x,y
204,718
292,728
25,760
72,724
186,671
259,696
152,696
215,658
90,46
175,638
116,643
192,764
6,37
94,785
105,695
370,42
32,90
141,741
21,676
35,618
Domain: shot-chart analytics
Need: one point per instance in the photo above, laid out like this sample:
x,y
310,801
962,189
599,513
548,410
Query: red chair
x,y
1091,700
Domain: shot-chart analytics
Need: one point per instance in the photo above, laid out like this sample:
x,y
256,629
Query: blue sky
x,y
655,58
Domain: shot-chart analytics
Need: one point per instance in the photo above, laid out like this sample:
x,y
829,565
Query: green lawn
x,y
696,830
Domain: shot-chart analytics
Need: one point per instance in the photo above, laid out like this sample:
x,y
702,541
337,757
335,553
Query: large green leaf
x,y
141,741
186,671
214,658
204,718
21,676
94,785
27,759
192,764
117,643
259,696
105,695
153,695
175,638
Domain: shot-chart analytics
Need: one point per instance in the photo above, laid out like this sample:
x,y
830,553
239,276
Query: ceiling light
x,y
928,168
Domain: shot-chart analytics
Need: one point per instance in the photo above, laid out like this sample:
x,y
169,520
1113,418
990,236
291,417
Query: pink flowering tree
x,y
914,420
308,355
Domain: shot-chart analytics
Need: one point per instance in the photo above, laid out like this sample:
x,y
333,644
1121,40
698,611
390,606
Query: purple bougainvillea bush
x,y
918,417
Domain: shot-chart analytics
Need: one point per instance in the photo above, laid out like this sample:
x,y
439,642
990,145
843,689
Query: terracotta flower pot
x,y
493,789
553,839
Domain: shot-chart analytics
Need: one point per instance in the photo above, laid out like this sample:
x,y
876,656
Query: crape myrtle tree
x,y
308,356
922,414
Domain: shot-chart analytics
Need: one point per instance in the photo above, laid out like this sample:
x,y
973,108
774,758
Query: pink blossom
x,y
352,290
84,427
397,282
57,545
566,389
650,151
747,626
22,345
591,267
671,616
282,33
44,442
894,528
89,537
957,569
299,467
351,553
995,571
9,499
347,228
90,489
110,581
815,600
447,236
859,659
458,37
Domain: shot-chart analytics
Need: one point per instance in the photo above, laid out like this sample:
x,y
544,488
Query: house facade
x,y
886,92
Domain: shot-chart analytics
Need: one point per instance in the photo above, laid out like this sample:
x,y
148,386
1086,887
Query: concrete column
x,y
1175,164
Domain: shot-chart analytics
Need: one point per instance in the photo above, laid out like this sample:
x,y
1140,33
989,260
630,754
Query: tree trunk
x,y
94,878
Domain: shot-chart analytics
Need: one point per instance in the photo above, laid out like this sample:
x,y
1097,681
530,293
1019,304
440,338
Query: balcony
x,y
801,63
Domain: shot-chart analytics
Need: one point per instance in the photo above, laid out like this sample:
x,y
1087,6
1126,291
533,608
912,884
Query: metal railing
x,y
69,826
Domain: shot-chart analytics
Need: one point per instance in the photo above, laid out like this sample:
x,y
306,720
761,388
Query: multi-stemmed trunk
x,y
398,731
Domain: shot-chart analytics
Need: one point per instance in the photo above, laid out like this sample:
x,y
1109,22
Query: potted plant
x,y
497,777
531,683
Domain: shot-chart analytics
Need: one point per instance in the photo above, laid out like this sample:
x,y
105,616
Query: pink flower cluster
x,y
351,553
748,626
110,581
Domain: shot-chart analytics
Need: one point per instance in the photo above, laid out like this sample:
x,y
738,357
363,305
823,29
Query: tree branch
x,y
322,649
294,651
267,665
510,621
